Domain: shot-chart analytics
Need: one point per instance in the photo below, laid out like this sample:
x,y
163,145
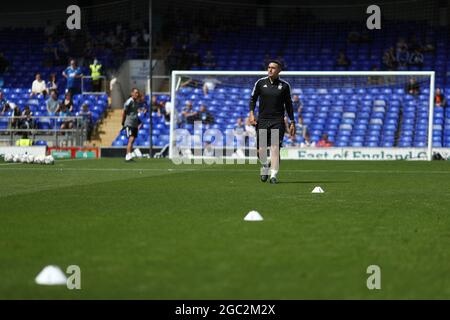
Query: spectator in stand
x,y
300,127
297,104
209,84
307,143
161,108
68,102
402,53
205,116
416,58
5,109
143,106
26,121
52,84
64,114
15,116
73,75
38,87
324,142
52,103
389,60
291,142
239,132
239,128
3,102
342,60
168,113
209,60
86,120
96,74
4,64
188,115
154,104
439,98
413,87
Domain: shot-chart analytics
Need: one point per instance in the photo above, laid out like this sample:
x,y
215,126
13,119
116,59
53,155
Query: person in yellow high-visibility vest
x,y
96,74
24,141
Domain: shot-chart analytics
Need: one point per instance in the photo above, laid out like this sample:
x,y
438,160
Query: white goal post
x,y
177,76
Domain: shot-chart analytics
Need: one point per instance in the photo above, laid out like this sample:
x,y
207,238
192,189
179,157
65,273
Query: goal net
x,y
360,115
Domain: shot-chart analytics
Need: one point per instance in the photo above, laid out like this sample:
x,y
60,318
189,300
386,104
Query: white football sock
x,y
273,173
264,162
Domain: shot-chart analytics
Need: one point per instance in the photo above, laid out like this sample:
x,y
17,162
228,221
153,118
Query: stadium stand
x,y
375,117
381,116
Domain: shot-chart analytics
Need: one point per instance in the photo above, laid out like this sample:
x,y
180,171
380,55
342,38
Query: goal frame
x,y
175,85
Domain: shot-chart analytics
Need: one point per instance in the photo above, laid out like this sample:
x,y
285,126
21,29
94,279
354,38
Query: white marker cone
x,y
318,190
253,216
51,276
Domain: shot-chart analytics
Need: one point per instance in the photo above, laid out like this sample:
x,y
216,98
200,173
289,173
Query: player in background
x,y
274,100
131,121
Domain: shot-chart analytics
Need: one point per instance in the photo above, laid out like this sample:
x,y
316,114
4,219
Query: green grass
x,y
153,230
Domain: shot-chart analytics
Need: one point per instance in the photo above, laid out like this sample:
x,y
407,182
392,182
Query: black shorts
x,y
131,132
269,125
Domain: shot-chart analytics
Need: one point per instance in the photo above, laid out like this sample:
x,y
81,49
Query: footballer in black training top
x,y
274,101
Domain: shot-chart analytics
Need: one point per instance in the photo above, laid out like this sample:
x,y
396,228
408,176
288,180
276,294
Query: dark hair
x,y
278,62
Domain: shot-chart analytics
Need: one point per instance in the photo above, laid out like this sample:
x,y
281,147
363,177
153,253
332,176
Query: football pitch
x,y
154,230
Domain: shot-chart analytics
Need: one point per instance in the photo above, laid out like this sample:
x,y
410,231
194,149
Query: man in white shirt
x,y
307,143
38,86
209,84
168,113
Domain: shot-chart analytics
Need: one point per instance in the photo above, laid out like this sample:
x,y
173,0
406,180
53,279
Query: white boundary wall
x,y
360,153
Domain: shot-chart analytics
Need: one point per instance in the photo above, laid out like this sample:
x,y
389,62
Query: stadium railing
x,y
45,128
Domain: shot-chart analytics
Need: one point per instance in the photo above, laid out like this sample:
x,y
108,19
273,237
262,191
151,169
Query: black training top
x,y
274,98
